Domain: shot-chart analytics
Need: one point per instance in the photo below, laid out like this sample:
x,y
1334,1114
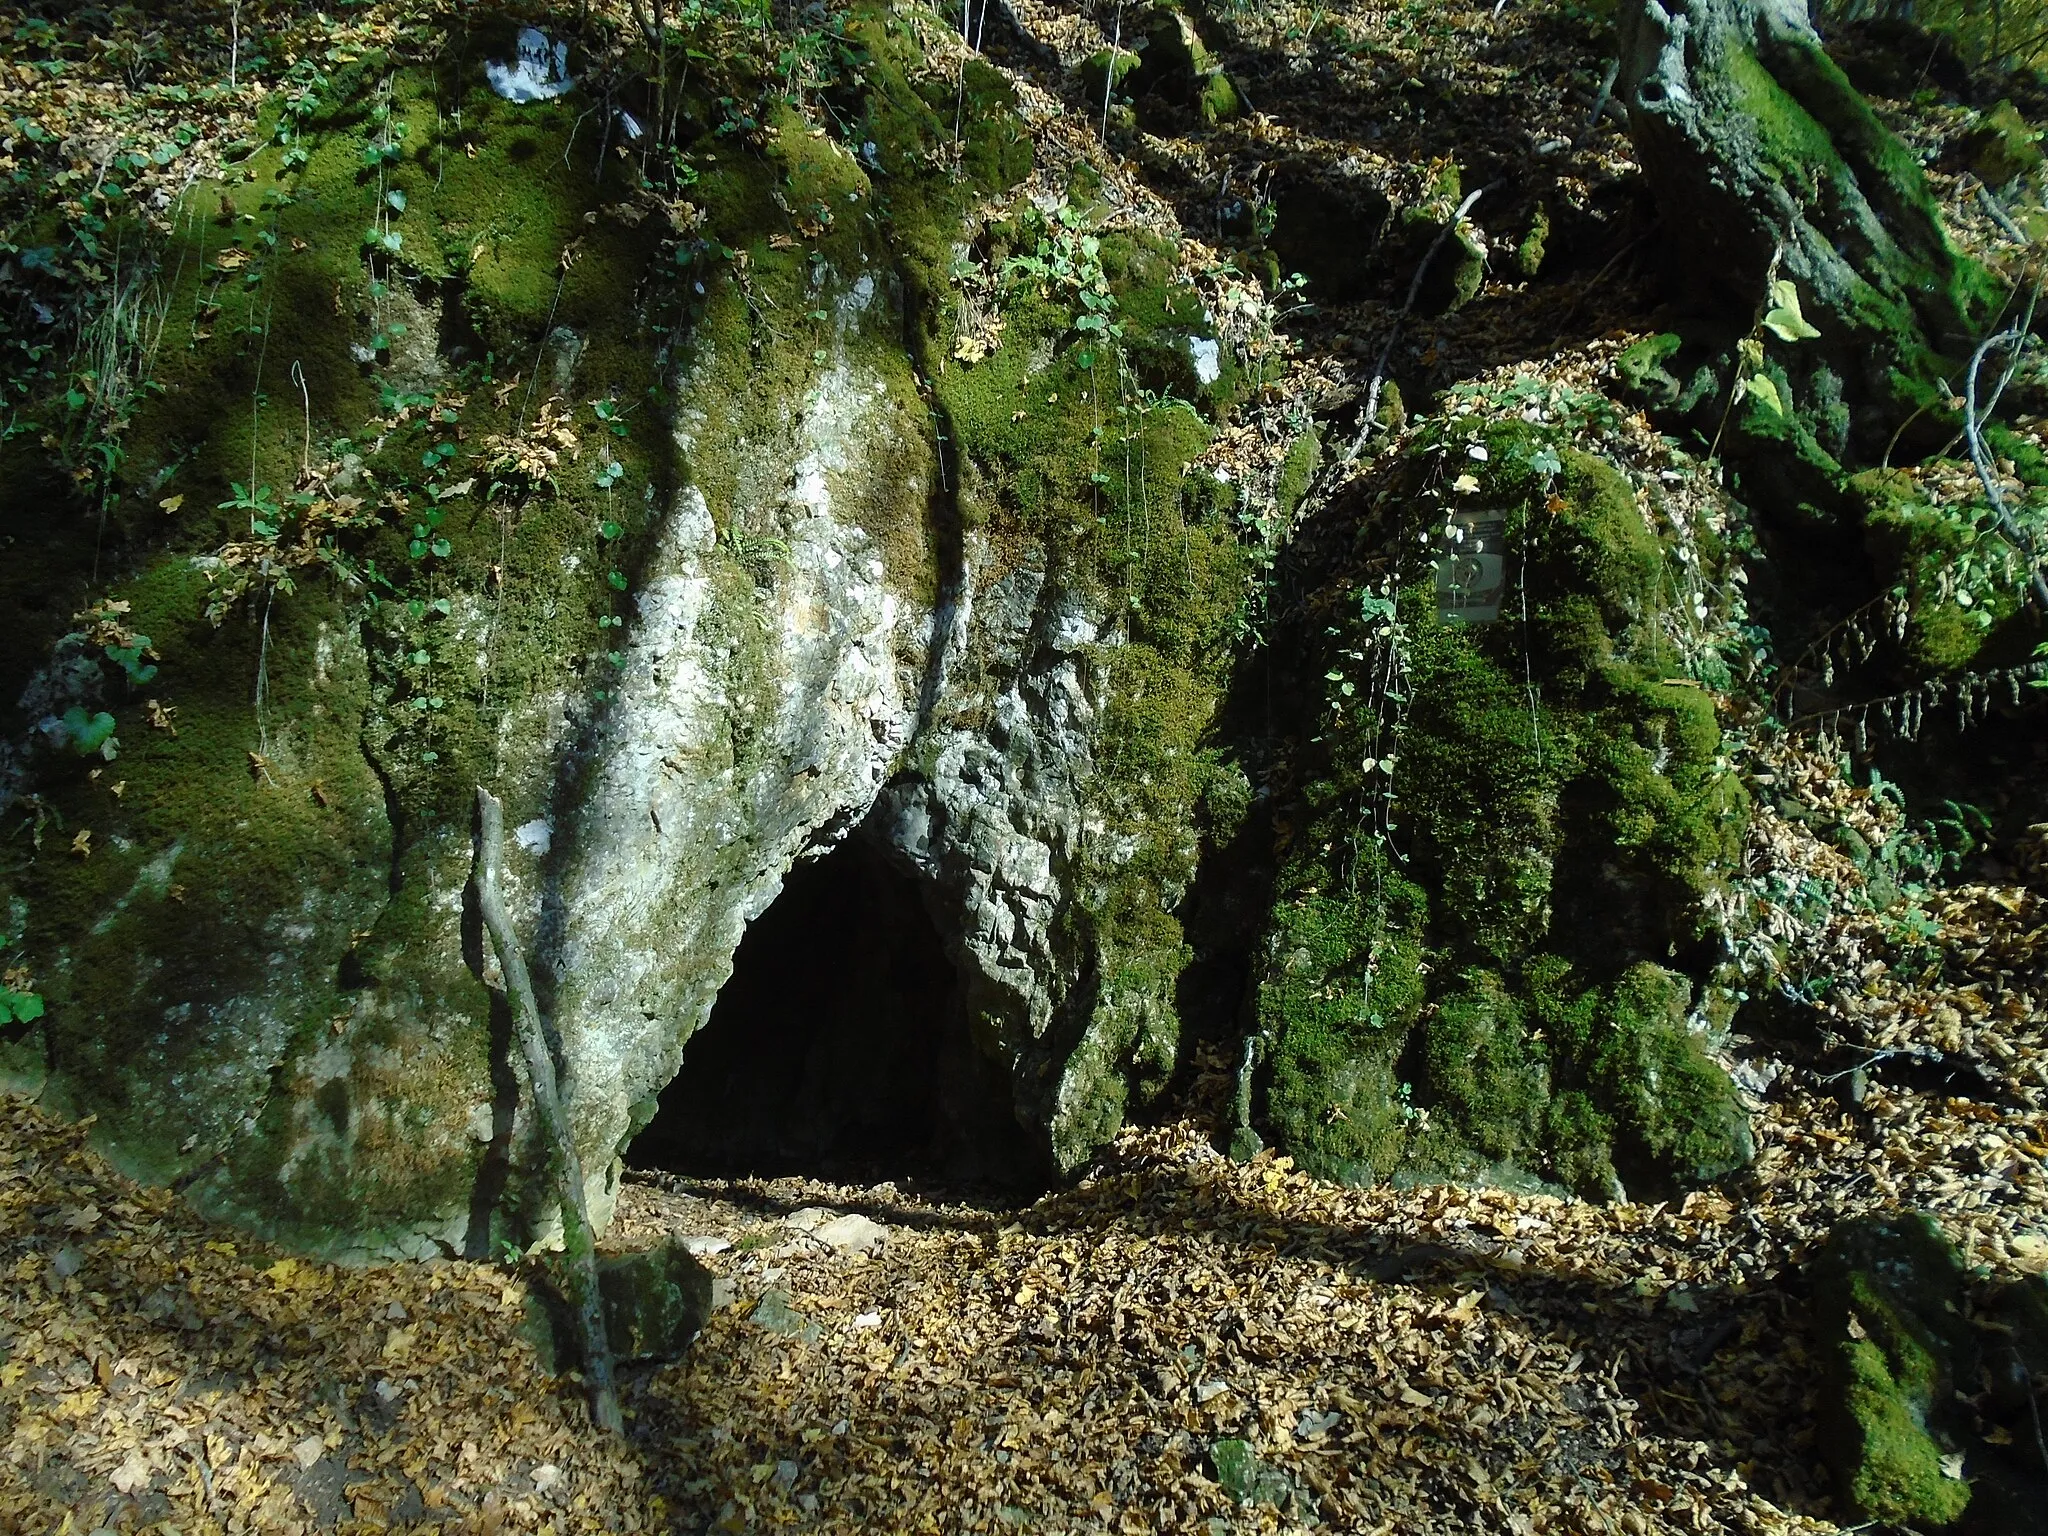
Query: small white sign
x,y
1472,567
540,72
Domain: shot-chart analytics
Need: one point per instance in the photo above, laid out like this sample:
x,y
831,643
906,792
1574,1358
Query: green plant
x,y
260,503
1781,318
88,734
756,551
19,1002
1065,258
608,412
129,658
1957,832
427,540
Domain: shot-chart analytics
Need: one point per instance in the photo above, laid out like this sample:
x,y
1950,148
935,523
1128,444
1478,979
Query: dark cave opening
x,y
840,1049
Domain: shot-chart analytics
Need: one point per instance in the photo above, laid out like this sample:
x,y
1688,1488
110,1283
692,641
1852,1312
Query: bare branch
x,y
540,1070
1973,430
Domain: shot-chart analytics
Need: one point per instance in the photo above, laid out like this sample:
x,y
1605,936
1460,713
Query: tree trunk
x,y
1759,149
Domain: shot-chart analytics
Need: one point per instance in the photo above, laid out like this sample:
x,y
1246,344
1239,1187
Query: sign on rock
x,y
1472,568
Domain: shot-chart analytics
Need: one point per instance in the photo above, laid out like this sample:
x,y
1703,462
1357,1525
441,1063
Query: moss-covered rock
x,y
1768,164
671,512
1515,812
2003,146
1958,577
1934,1380
656,1300
1888,1292
1171,69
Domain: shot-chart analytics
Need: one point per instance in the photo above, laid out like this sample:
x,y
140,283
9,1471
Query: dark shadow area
x,y
840,1049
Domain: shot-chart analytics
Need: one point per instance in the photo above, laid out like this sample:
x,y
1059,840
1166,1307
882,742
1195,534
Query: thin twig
x,y
1600,100
1999,216
1379,372
306,403
1973,430
1116,43
540,1071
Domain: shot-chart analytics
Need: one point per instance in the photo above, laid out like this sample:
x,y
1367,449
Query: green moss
x,y
1643,370
1815,127
1345,986
1484,924
1104,71
1952,568
1897,1472
1297,472
908,112
171,997
1218,101
1530,251
1888,1293
2003,145
1675,1110
1484,1071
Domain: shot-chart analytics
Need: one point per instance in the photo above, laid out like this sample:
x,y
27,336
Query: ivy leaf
x,y
1785,321
396,199
1760,388
19,1007
88,734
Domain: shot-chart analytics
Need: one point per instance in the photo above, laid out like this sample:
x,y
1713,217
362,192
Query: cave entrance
x,y
840,1049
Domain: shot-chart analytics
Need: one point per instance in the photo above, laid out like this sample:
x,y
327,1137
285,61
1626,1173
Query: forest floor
x,y
1178,1343
1107,1358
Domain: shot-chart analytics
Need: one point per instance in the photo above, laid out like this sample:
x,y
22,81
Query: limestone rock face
x,y
690,585
997,821
677,840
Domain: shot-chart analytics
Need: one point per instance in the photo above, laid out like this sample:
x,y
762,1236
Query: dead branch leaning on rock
x,y
1332,476
577,1238
1973,429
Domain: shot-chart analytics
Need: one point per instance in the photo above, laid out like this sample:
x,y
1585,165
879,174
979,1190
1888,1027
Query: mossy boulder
x,y
1959,576
1767,164
1933,1382
1888,1296
1457,269
1512,822
655,1300
1171,70
674,520
2002,146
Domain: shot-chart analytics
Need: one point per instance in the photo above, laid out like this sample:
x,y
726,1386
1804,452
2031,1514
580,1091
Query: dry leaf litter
x,y
1395,1360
